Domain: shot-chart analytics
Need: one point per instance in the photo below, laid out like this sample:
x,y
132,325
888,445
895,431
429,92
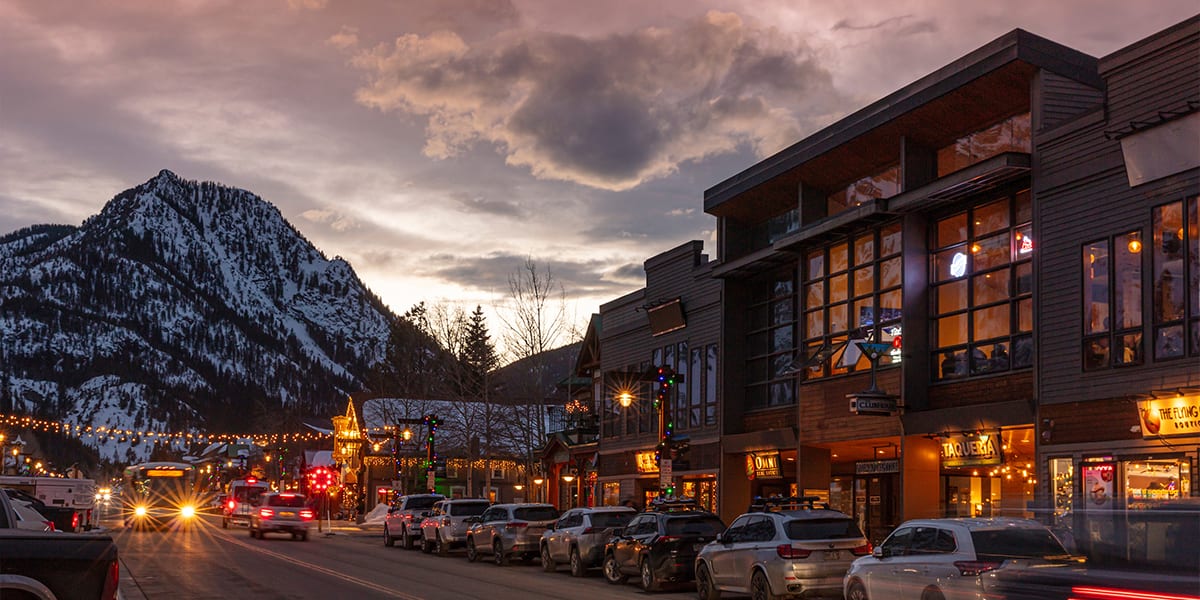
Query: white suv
x,y
787,548
446,529
942,559
580,535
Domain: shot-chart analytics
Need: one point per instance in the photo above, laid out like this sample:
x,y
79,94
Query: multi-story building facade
x,y
908,225
673,323
1118,292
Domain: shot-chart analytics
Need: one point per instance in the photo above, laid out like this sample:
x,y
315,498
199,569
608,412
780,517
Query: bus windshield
x,y
159,485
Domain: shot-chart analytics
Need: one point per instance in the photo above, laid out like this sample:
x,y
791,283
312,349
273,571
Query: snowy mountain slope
x,y
180,305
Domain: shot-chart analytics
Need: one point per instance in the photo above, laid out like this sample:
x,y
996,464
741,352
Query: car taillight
x,y
232,505
50,526
408,517
266,513
969,568
516,525
111,581
669,538
862,550
790,551
74,521
307,514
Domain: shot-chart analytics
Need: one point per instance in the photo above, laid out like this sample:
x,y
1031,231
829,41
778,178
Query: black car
x,y
660,545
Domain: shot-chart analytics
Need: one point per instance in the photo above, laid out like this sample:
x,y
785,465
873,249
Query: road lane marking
x,y
327,571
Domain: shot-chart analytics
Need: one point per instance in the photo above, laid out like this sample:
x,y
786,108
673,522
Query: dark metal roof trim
x,y
751,264
977,178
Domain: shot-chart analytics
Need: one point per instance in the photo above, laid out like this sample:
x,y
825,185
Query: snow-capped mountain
x,y
181,306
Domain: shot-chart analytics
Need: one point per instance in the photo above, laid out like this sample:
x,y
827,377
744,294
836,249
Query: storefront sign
x,y
646,462
1170,416
971,451
763,465
665,473
877,467
867,403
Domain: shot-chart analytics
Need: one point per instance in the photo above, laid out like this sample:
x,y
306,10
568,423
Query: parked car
x,y
507,530
281,512
782,547
404,518
660,545
446,528
945,558
28,518
580,535
61,518
47,565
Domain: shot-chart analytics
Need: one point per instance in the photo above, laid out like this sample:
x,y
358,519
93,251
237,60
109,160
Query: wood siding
x,y
1082,194
825,415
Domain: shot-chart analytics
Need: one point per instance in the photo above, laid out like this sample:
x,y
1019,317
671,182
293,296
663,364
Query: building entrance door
x,y
875,505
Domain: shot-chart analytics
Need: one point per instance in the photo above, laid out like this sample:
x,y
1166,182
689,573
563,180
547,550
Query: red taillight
x,y
862,550
516,525
232,505
306,514
266,513
74,521
111,581
669,538
790,551
970,568
408,517
1095,593
49,525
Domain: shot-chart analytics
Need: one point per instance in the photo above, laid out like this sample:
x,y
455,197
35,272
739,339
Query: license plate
x,y
287,513
833,554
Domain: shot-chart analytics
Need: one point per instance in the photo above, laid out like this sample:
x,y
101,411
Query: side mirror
x,y
879,552
720,539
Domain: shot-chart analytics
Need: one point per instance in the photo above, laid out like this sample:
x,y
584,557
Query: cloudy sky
x,y
437,144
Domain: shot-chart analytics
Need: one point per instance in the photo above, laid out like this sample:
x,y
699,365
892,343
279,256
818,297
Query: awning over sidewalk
x,y
757,441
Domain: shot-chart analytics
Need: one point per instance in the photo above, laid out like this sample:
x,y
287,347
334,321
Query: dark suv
x,y
660,545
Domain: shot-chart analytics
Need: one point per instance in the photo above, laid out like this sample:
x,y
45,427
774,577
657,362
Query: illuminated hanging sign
x,y
646,462
972,450
1170,416
763,465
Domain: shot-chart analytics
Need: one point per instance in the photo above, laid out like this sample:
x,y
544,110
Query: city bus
x,y
159,494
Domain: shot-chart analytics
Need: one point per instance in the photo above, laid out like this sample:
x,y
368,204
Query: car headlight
x,y
140,511
188,512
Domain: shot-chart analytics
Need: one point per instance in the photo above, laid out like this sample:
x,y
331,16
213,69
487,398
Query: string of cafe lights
x,y
168,438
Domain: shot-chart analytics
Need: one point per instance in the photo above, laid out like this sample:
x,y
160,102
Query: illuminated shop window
x,y
982,274
1009,135
852,293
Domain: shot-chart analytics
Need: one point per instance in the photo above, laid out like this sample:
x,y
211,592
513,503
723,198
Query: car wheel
x,y
760,588
705,588
304,536
426,546
443,547
650,583
577,567
498,553
472,551
388,540
933,594
224,523
548,564
406,540
612,571
856,591
253,534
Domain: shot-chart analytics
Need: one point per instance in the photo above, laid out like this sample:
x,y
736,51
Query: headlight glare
x,y
188,512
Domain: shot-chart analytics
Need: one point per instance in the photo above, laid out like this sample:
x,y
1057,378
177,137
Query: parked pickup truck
x,y
55,566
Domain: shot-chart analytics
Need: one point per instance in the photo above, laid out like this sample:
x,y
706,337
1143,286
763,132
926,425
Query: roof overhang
x,y
980,177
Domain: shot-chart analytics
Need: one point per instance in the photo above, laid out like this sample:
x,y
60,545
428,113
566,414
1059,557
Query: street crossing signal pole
x,y
431,422
667,379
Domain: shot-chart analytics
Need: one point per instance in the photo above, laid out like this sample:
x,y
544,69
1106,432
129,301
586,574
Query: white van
x,y
239,503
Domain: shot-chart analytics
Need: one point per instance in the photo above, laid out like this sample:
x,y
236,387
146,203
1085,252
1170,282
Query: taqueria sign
x,y
1170,416
972,450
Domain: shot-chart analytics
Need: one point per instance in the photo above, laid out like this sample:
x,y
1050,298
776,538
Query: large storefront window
x,y
770,343
982,289
1113,517
1176,279
852,293
1009,135
988,473
1112,302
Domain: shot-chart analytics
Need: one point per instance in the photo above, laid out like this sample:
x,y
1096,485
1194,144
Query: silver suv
x,y
404,518
507,530
283,513
446,528
781,548
579,537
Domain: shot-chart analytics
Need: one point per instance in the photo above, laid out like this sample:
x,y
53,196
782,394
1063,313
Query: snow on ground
x,y
376,516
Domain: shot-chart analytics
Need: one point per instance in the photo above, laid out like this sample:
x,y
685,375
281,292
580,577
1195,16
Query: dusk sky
x,y
437,144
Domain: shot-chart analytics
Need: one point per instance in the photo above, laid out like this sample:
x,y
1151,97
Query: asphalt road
x,y
206,561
